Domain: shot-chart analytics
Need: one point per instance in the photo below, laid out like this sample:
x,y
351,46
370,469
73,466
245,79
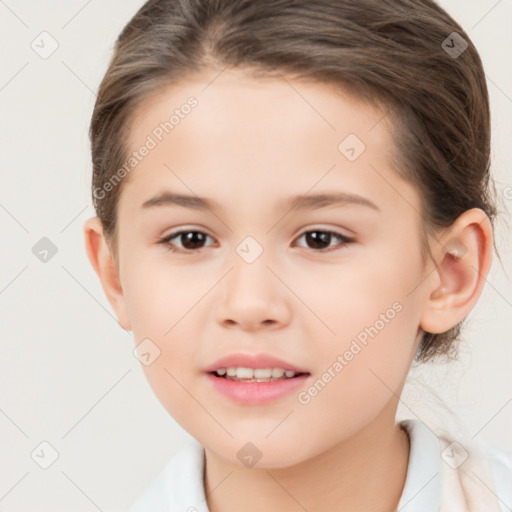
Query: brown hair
x,y
391,53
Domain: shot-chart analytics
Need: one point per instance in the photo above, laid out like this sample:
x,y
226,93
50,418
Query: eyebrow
x,y
300,202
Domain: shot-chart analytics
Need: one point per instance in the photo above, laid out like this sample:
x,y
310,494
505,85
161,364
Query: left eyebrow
x,y
300,202
322,200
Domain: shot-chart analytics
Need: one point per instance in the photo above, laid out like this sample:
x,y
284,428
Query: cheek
x,y
159,297
375,321
354,295
162,305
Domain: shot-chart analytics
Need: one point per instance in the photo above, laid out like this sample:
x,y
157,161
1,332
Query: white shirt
x,y
443,475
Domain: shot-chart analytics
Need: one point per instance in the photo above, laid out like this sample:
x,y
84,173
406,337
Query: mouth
x,y
243,374
255,379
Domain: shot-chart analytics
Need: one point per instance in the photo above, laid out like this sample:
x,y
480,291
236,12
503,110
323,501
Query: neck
x,y
364,472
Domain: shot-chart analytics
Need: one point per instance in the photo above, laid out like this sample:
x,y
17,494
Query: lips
x,y
253,361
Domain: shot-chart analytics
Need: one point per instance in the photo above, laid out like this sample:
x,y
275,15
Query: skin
x,y
250,144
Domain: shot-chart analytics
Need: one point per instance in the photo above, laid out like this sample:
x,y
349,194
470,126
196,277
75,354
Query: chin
x,y
258,453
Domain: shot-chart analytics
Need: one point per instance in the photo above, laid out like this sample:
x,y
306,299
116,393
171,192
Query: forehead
x,y
248,138
235,100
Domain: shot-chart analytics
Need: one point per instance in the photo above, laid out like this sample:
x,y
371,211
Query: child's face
x,y
251,145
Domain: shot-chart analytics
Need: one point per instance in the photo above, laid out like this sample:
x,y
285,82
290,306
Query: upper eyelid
x,y
175,234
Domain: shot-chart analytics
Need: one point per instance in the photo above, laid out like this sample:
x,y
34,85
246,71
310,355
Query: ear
x,y
463,260
103,263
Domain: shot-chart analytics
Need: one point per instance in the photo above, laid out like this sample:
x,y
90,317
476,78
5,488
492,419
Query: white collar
x,y
423,483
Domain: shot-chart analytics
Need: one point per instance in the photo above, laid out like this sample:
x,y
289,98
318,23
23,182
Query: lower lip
x,y
254,393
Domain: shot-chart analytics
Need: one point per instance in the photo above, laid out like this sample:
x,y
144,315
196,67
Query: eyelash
x,y
167,239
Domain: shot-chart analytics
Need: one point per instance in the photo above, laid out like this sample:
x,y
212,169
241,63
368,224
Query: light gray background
x,y
68,375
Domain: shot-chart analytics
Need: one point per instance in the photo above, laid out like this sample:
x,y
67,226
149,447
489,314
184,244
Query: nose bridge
x,y
252,293
250,274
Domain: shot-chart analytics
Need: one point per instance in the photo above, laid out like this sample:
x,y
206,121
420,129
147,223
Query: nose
x,y
252,297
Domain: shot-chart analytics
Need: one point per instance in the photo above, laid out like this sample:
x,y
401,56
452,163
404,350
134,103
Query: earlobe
x,y
463,260
103,263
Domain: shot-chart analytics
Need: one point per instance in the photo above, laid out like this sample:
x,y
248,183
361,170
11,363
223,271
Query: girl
x,y
293,206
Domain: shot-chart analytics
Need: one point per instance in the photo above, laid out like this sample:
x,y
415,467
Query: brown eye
x,y
191,241
319,239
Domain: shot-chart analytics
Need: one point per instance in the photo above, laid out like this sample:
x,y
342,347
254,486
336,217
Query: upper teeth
x,y
258,373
